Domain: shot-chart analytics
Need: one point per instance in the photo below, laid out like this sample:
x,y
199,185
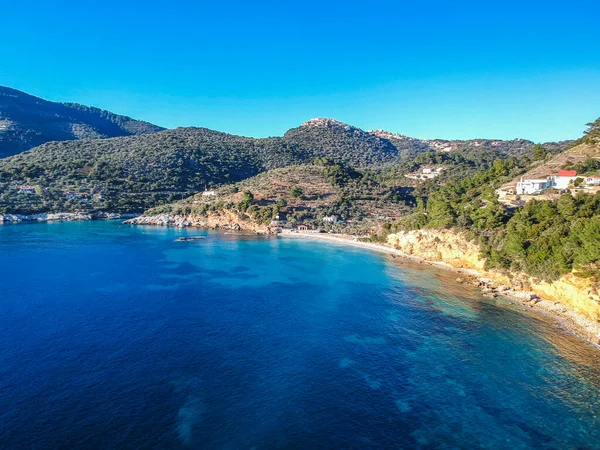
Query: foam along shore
x,y
64,217
567,319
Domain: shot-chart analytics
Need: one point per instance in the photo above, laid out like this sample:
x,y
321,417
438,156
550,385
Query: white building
x,y
209,193
26,189
330,219
563,179
428,170
593,180
530,187
280,220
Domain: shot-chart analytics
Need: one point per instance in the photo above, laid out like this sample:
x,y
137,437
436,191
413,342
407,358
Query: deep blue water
x,y
120,337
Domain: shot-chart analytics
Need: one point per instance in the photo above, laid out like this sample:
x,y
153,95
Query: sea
x,y
118,336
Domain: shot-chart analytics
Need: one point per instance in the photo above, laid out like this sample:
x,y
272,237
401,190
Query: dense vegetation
x,y
548,239
136,172
545,239
342,143
133,173
27,121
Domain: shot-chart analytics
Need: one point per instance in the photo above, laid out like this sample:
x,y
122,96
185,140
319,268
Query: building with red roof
x,y
567,173
564,179
26,189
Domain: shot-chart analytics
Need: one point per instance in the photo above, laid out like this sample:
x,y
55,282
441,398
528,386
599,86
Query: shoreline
x,y
64,217
568,320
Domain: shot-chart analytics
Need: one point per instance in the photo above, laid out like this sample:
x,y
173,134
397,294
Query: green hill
x,y
27,121
134,173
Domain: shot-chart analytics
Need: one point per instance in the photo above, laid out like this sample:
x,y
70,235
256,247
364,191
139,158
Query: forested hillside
x,y
130,174
27,121
133,173
543,238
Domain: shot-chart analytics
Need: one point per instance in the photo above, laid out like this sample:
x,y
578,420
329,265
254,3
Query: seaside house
x,y
280,220
330,219
302,228
26,189
209,194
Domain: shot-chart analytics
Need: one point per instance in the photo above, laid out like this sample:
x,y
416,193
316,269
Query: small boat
x,y
191,238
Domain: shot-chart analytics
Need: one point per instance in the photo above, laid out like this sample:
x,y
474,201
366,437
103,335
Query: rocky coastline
x,y
225,221
63,217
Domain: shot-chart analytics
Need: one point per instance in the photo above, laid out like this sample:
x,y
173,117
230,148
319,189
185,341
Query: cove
x,y
115,336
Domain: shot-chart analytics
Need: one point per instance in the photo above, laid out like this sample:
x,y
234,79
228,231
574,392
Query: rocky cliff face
x,y
439,245
222,220
569,293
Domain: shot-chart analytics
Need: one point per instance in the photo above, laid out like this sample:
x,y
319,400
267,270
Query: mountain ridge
x,y
136,172
27,121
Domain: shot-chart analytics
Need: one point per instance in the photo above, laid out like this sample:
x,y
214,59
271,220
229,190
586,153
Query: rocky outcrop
x,y
222,220
572,297
163,220
63,217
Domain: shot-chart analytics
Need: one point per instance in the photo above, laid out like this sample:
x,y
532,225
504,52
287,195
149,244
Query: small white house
x,y
593,180
330,219
530,187
432,170
280,220
26,189
209,193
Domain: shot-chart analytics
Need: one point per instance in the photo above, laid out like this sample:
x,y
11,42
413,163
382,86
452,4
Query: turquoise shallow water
x,y
120,337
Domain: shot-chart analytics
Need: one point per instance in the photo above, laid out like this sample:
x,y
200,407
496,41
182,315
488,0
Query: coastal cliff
x,y
569,293
214,220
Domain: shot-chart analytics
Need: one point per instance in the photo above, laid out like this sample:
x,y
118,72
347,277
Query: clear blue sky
x,y
426,69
